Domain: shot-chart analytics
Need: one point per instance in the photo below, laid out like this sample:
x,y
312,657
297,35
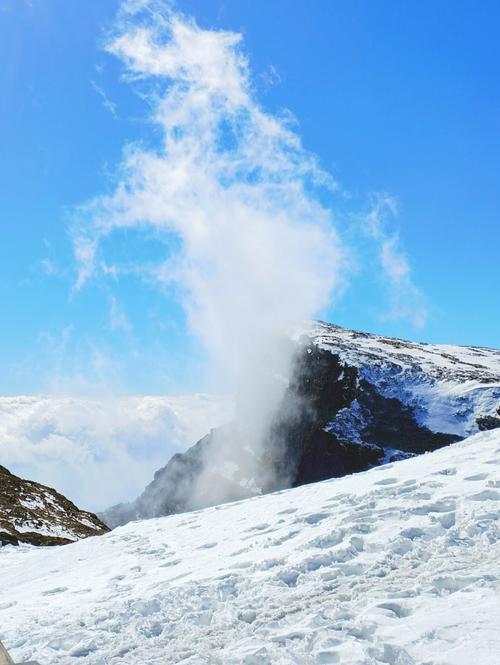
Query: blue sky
x,y
395,98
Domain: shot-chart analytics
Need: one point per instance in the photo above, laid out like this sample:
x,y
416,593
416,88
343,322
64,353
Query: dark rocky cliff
x,y
336,418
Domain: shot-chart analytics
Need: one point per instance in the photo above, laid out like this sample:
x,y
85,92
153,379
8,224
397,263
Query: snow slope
x,y
397,565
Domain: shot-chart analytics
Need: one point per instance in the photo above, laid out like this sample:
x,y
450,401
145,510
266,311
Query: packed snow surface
x,y
396,565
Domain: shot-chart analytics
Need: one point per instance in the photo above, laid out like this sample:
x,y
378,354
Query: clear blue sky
x,y
392,96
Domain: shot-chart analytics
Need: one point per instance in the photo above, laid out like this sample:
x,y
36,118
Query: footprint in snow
x,y
406,488
313,518
443,506
248,616
54,591
450,471
288,577
287,511
477,476
447,520
486,495
282,539
241,565
258,527
152,552
449,584
386,481
397,610
169,564
240,551
339,498
269,563
328,540
383,467
361,527
328,657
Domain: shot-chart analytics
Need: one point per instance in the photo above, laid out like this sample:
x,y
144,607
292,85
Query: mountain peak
x,y
354,400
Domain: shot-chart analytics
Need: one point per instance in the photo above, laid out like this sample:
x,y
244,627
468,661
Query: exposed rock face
x,y
314,443
488,422
354,401
36,514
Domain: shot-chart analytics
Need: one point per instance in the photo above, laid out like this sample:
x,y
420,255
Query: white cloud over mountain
x,y
101,451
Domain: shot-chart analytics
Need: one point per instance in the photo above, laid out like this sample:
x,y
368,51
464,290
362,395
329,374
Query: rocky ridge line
x,y
33,513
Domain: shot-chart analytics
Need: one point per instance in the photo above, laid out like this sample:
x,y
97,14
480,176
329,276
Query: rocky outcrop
x,y
36,514
353,401
315,446
488,422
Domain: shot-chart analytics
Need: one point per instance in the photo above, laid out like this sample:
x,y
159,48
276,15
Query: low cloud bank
x,y
98,452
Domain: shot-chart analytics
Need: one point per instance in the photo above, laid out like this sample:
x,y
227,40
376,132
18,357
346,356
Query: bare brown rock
x,y
36,514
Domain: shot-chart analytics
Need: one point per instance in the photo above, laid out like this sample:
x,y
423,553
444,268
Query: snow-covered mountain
x,y
398,565
454,389
354,401
36,514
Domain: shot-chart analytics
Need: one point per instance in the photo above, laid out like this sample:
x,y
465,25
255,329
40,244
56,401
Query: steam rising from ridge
x,y
254,249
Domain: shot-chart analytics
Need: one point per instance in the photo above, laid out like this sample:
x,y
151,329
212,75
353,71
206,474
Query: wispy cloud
x,y
406,301
48,266
118,320
270,77
107,103
85,251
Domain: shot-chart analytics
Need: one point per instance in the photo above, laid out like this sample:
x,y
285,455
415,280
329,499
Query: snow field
x,y
398,565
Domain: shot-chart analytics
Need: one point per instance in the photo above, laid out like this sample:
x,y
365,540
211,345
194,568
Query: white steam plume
x,y
255,251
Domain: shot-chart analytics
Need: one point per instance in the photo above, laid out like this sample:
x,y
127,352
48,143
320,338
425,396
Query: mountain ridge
x,y
35,514
368,400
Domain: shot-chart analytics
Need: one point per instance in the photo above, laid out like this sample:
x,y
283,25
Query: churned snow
x,y
397,565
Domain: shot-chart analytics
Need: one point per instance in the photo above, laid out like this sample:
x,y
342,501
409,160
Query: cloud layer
x,y
101,451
